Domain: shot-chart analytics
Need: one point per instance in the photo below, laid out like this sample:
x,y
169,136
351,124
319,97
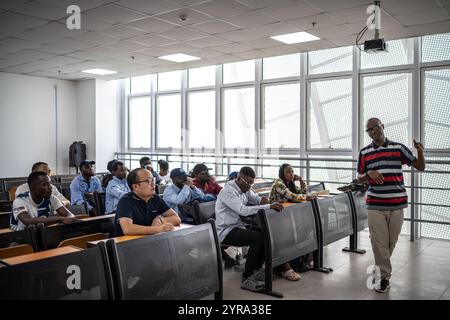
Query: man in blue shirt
x,y
83,186
142,211
183,191
117,187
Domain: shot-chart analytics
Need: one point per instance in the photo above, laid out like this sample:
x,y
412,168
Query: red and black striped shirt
x,y
387,159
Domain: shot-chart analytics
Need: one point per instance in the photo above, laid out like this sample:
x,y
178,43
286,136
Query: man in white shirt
x,y
38,205
42,166
236,200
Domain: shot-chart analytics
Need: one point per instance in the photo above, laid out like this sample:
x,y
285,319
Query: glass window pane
x,y
202,77
202,119
239,71
140,84
330,103
436,109
281,66
330,60
168,121
398,52
333,178
392,109
169,80
282,116
436,47
239,114
139,122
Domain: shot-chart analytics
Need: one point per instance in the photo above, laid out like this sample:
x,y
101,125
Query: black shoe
x,y
384,286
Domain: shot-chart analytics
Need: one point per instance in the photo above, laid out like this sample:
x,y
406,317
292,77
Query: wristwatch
x,y
161,219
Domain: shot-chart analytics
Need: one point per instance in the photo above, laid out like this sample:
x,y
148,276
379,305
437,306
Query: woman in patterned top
x,y
285,190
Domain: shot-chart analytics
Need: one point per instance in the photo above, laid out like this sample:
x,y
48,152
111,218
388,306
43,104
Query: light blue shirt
x,y
114,191
174,196
79,186
231,204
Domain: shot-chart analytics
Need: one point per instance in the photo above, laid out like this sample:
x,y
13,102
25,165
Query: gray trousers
x,y
384,228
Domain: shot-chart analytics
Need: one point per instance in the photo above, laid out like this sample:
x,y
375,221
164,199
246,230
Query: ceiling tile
x,y
274,29
258,4
222,8
421,17
281,50
123,32
127,46
180,47
49,33
85,55
262,43
215,26
12,44
42,10
240,35
250,19
350,15
293,10
330,32
96,38
28,55
12,23
232,48
191,16
207,53
149,7
207,42
152,40
431,28
406,6
251,54
317,21
314,45
115,14
329,5
105,51
155,52
83,4
189,2
182,34
150,25
65,46
89,23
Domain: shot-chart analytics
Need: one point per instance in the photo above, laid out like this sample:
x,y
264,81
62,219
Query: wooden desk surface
x,y
6,230
41,255
107,216
127,238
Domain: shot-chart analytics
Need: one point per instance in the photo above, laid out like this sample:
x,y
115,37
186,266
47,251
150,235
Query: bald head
x,y
375,130
373,121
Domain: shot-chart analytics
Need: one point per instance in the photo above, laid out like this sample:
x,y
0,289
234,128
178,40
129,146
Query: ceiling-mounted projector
x,y
374,45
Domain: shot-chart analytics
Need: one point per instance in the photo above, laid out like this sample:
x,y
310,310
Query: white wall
x,y
28,124
86,116
107,123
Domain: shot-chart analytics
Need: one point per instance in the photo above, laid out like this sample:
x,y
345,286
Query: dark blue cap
x,y
178,173
86,163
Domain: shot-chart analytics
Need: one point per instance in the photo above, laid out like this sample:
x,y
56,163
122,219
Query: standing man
x,y
380,164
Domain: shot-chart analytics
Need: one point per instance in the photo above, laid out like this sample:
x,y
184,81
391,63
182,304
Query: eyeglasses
x,y
149,181
246,183
377,126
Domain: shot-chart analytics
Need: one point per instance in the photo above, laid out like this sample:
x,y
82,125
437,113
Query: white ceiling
x,y
129,35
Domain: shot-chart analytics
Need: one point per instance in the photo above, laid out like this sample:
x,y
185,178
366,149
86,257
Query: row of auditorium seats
x,y
183,264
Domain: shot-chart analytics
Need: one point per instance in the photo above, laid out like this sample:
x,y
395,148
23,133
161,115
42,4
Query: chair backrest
x,y
316,187
4,219
336,217
6,205
49,237
13,238
9,184
4,196
359,199
79,209
181,264
162,188
15,251
292,234
99,201
84,274
261,185
81,242
204,211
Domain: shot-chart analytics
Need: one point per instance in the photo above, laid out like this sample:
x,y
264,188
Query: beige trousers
x,y
384,228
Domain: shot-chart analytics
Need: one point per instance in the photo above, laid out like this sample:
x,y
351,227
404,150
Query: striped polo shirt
x,y
388,160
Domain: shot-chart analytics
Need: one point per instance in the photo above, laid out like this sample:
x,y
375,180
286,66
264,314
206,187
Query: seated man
x,y
38,205
117,187
146,163
83,186
42,166
235,201
142,211
164,172
109,176
204,181
183,191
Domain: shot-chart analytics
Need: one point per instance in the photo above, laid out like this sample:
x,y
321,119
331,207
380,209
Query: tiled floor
x,y
421,270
